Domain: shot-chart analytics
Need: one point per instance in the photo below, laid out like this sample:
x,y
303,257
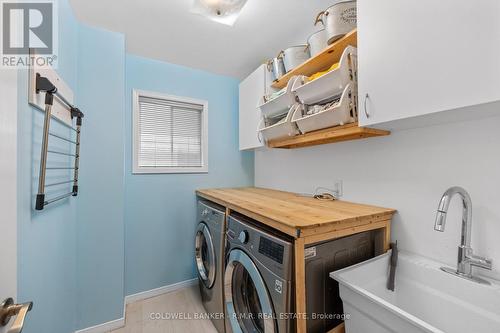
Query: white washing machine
x,y
209,255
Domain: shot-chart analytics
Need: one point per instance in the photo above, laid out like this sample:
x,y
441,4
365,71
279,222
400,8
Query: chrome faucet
x,y
466,257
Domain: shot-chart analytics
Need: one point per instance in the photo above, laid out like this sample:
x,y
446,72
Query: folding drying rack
x,y
43,84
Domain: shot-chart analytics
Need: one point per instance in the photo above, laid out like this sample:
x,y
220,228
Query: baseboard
x,y
159,291
119,323
106,327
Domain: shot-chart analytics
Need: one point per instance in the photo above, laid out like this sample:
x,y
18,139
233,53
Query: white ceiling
x,y
167,31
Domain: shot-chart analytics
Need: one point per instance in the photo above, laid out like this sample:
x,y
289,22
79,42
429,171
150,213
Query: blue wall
x,y
160,209
124,233
71,254
100,231
46,239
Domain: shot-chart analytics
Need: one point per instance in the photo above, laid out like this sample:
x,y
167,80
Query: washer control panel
x,y
271,249
243,237
274,252
210,214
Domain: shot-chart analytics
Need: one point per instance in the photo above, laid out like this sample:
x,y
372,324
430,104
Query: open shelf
x,y
321,61
328,135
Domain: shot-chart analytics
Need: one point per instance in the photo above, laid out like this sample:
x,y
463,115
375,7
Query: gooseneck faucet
x,y
466,257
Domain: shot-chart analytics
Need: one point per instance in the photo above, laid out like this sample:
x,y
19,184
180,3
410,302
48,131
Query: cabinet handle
x,y
366,110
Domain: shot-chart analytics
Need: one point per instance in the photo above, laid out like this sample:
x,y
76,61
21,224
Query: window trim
x,y
136,169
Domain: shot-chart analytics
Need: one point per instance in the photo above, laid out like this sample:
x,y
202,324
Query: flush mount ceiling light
x,y
222,11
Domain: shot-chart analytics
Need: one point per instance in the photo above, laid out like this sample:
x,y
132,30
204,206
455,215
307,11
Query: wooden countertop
x,y
294,214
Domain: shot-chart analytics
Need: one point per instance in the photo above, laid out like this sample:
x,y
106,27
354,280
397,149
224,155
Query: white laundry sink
x,y
425,299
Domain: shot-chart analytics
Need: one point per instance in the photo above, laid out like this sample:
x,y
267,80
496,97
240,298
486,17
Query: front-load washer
x,y
209,256
258,278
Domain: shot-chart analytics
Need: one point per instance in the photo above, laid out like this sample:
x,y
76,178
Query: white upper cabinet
x,y
418,57
251,91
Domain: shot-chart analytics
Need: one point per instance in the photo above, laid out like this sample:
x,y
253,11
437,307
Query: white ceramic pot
x,y
294,56
338,19
317,42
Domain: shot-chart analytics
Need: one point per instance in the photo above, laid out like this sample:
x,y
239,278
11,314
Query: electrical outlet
x,y
338,188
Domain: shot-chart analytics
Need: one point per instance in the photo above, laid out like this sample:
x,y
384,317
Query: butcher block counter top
x,y
295,214
309,221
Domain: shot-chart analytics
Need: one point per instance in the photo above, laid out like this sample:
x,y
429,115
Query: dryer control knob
x,y
243,237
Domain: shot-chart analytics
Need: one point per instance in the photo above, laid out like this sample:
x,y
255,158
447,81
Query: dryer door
x,y
248,304
205,255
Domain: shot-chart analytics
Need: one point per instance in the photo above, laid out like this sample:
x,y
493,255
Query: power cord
x,y
322,193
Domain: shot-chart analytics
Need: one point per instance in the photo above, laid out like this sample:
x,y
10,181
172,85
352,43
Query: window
x,y
170,134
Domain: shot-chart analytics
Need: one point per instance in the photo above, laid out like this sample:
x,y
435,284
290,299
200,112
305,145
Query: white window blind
x,y
169,134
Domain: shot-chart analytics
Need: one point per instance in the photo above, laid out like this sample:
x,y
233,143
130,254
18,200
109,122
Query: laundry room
x,y
250,166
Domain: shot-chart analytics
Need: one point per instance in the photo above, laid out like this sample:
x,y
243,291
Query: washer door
x,y
205,255
248,303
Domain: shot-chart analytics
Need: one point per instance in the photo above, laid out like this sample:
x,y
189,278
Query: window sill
x,y
141,171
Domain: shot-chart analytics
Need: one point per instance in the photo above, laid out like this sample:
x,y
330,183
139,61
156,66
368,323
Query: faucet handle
x,y
479,261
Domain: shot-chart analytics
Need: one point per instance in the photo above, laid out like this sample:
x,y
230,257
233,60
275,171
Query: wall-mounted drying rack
x,y
43,84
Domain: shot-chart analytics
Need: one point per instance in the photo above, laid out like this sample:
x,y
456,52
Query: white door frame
x,y
8,181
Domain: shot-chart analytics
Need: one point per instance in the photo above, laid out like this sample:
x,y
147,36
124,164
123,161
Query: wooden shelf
x,y
322,61
328,135
291,212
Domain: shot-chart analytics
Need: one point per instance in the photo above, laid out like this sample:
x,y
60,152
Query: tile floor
x,y
184,301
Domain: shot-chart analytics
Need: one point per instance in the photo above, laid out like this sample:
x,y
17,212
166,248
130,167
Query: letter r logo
x,y
27,25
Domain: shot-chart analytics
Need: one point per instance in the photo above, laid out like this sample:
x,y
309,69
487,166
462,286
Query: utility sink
x,y
425,298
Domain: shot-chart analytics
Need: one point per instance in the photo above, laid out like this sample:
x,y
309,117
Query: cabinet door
x,y
418,57
251,91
